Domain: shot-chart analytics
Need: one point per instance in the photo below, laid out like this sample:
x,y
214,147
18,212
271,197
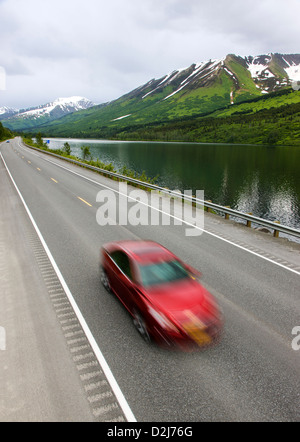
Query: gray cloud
x,y
103,49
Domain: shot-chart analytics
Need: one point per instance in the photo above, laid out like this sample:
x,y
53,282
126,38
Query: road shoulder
x,y
48,371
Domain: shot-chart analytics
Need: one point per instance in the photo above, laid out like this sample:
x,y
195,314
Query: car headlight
x,y
162,320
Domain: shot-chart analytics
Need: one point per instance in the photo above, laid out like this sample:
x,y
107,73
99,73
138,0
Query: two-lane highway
x,y
253,374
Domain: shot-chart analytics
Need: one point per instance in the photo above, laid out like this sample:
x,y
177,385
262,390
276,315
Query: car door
x,y
122,278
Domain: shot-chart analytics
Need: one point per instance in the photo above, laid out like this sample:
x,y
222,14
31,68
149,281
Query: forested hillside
x,y
5,133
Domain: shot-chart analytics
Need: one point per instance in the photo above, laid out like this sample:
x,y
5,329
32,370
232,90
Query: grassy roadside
x,y
65,153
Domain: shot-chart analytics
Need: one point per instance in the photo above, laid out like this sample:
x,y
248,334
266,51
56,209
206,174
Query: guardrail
x,y
274,226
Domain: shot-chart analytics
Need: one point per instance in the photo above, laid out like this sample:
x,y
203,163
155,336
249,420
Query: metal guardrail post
x,y
249,223
227,214
276,232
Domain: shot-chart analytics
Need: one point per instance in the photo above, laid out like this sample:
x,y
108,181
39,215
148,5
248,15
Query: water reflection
x,y
258,179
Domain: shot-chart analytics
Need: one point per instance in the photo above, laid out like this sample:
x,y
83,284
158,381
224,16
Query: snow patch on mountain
x,y
201,71
175,92
293,72
121,118
197,70
259,67
62,105
8,110
165,81
259,71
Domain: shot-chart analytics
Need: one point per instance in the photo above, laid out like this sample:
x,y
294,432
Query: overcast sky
x,y
102,49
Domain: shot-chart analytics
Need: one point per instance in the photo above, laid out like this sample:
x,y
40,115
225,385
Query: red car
x,y
163,294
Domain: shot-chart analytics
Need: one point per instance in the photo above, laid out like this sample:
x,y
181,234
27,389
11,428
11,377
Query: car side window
x,y
123,262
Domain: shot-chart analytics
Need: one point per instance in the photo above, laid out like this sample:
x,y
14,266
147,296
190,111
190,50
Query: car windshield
x,y
162,272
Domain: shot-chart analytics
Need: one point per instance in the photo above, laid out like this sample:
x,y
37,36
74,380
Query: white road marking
x,y
105,367
172,216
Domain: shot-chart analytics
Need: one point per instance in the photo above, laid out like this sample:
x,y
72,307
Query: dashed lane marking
x,y
84,201
245,247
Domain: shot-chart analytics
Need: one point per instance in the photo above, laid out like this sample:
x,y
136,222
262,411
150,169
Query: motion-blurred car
x,y
167,302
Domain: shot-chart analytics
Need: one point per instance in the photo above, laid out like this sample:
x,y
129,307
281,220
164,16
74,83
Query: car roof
x,y
143,250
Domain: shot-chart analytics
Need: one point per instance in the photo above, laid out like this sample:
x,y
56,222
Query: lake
x,y
259,179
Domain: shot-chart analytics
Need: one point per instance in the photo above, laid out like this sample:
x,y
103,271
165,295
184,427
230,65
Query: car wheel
x,y
104,279
141,327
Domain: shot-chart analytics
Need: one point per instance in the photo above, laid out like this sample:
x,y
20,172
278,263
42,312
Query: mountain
x,y
272,72
43,114
191,92
267,73
7,112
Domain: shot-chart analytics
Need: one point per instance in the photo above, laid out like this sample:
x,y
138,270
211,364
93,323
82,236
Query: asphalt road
x,y
253,374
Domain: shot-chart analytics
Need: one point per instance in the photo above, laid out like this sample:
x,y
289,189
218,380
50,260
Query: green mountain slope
x,y
201,89
273,119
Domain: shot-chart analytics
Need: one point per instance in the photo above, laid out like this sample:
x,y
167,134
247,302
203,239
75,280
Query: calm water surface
x,y
258,179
